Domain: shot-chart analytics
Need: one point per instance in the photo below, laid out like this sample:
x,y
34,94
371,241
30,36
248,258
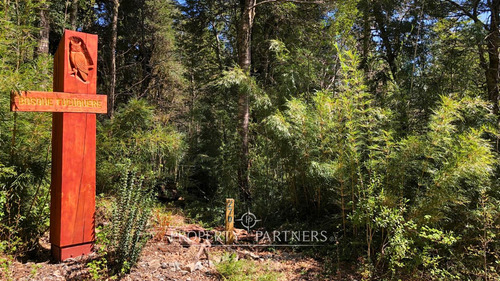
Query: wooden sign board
x,y
73,176
58,102
229,221
72,209
74,106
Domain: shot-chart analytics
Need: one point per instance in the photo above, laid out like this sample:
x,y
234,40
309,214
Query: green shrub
x,y
99,267
131,211
24,210
136,133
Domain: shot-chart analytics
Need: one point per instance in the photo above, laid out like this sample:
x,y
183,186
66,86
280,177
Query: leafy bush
x,y
24,136
137,134
127,230
338,153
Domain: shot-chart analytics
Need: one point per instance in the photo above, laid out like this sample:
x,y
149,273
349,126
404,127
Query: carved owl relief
x,y
80,60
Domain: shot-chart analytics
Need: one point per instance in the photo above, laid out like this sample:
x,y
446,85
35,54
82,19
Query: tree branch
x,y
289,1
467,13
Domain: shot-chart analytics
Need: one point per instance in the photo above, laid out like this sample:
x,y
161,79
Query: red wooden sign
x,y
72,206
72,221
58,102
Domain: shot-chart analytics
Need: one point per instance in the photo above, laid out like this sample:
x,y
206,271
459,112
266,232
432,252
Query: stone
x,y
251,255
57,273
154,263
176,266
198,266
188,268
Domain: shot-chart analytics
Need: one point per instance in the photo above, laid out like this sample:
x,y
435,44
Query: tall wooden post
x,y
73,150
72,204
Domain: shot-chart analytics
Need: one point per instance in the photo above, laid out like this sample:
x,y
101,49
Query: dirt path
x,y
170,259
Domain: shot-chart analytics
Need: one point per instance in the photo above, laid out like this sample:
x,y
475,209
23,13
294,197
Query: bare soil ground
x,y
167,259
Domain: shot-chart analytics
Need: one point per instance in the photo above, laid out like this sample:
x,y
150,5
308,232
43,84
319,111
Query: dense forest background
x,y
376,120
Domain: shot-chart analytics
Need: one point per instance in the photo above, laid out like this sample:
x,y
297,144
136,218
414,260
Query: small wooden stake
x,y
229,221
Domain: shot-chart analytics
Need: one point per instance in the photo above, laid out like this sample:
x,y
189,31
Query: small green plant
x,y
131,211
5,263
98,268
229,266
10,246
34,270
232,269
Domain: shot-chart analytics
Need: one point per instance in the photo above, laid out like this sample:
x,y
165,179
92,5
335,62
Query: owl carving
x,y
79,59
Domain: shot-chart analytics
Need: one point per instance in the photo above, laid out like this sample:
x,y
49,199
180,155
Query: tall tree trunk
x,y
244,61
43,41
114,34
366,36
145,58
492,43
74,14
217,45
384,35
